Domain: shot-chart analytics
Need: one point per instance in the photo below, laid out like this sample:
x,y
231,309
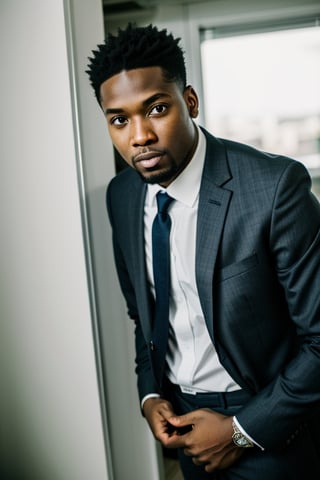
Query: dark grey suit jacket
x,y
258,278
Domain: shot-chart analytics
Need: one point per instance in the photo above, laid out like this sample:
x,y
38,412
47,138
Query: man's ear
x,y
192,102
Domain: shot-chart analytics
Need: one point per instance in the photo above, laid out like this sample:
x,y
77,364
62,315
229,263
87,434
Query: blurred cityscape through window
x,y
264,89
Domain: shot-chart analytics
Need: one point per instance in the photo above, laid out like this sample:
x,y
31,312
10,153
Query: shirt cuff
x,y
245,433
150,395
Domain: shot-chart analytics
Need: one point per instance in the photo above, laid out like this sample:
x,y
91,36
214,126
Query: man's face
x,y
150,122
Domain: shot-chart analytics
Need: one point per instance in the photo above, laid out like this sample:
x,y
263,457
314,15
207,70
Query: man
x,y
237,386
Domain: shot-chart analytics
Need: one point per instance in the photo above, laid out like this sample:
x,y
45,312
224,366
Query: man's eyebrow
x,y
145,103
109,111
153,98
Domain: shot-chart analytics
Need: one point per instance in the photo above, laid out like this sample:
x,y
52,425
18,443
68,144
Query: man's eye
x,y
119,121
157,109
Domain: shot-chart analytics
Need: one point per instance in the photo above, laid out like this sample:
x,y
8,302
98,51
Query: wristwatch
x,y
239,439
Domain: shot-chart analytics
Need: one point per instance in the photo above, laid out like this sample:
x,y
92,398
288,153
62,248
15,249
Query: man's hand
x,y
157,412
208,441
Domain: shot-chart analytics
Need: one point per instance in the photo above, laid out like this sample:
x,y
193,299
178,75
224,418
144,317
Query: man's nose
x,y
142,132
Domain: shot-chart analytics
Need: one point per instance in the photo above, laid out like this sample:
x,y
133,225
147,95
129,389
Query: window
x,y
262,88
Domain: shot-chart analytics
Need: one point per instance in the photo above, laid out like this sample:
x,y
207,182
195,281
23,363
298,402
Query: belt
x,y
217,399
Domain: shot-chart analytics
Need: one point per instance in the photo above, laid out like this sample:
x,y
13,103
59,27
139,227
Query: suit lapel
x,y
213,207
136,226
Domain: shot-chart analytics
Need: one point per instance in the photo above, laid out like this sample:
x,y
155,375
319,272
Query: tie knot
x,y
163,201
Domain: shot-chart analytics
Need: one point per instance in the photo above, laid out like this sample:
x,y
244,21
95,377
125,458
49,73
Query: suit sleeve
x,y
277,413
145,378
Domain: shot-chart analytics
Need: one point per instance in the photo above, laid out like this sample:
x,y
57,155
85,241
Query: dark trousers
x,y
298,461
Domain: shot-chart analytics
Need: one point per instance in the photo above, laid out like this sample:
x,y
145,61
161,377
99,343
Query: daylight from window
x,y
264,89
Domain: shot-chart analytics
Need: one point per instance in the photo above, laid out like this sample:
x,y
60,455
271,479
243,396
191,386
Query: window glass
x,y
264,89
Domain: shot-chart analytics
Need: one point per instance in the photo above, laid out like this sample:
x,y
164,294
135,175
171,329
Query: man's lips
x,y
148,159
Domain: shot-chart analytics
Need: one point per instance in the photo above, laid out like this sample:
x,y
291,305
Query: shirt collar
x,y
185,188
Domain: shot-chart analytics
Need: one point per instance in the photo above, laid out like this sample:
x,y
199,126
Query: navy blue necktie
x,y
161,272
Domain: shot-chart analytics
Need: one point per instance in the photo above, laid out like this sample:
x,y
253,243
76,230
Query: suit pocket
x,y
238,268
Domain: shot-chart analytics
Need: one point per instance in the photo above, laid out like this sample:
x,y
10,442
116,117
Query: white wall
x,y
133,449
50,409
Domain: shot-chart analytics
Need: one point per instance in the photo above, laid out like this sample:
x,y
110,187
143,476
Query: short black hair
x,y
137,47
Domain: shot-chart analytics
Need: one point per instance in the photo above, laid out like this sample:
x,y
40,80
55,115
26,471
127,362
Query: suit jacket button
x,y
152,347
